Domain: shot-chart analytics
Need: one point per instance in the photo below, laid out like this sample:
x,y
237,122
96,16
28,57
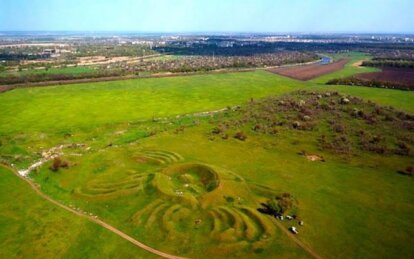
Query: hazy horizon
x,y
186,16
333,33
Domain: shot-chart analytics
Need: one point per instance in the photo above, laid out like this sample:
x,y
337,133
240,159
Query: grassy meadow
x,y
185,185
33,228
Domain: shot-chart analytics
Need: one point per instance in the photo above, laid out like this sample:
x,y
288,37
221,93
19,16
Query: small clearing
x,y
315,158
47,156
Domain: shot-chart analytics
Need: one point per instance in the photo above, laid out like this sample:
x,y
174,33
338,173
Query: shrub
x,y
216,130
280,204
402,149
179,130
296,124
307,126
389,117
409,171
407,125
273,131
257,127
370,119
240,135
339,128
58,163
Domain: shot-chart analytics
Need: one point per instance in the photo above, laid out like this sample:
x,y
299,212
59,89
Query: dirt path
x,y
47,156
93,219
309,250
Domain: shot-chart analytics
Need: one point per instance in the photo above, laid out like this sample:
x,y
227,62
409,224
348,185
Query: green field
x,y
184,187
50,71
57,108
33,228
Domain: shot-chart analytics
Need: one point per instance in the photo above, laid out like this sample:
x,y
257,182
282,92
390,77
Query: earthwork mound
x,y
183,197
158,157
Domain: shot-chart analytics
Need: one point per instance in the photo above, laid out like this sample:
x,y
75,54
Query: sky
x,y
274,16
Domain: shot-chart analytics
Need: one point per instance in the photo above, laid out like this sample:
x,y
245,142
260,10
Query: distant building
x,y
225,44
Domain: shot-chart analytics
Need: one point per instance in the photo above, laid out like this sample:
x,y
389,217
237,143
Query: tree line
x,y
389,63
353,81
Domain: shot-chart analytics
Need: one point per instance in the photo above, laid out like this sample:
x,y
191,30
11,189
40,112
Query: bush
x,y
281,203
409,171
370,83
58,163
339,128
402,149
216,130
240,135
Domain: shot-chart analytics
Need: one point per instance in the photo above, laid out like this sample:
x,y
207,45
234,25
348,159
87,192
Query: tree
x,y
281,203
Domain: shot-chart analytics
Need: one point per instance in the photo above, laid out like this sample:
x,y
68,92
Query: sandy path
x,y
358,63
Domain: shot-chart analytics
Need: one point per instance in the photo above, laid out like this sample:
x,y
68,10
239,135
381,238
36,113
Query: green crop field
x,y
53,70
190,184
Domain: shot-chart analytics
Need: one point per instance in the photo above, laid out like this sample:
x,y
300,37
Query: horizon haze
x,y
185,16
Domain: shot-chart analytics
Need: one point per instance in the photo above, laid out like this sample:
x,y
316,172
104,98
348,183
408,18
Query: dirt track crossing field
x,y
308,72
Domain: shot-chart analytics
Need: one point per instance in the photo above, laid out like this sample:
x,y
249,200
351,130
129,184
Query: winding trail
x,y
91,218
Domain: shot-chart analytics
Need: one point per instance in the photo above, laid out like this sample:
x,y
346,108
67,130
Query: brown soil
x,y
308,72
401,76
4,88
101,60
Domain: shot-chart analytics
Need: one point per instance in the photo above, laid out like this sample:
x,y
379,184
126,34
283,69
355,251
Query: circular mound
x,y
197,178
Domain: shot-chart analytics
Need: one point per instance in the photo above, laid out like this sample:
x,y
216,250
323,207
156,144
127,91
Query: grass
x,y
355,196
175,186
58,107
31,227
141,199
